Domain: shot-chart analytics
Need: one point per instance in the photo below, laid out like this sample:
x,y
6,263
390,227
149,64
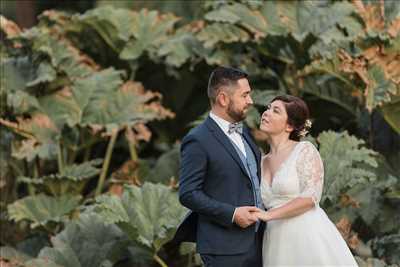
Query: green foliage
x,y
42,209
84,242
148,215
226,33
355,183
347,163
132,34
61,105
149,31
74,83
391,243
72,180
13,255
41,263
189,249
165,169
321,38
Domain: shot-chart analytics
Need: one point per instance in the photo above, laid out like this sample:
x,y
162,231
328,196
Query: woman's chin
x,y
264,129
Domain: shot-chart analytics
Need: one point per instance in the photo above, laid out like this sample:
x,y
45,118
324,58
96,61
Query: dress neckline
x,y
280,166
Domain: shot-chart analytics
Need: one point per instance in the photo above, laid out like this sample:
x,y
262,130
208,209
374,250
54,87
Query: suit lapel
x,y
254,148
226,143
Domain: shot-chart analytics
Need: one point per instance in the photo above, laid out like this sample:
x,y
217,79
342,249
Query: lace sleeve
x,y
310,171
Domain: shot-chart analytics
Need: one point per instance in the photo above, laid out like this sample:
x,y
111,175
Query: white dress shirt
x,y
234,137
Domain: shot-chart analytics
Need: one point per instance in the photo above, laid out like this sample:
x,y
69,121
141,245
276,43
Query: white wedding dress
x,y
309,239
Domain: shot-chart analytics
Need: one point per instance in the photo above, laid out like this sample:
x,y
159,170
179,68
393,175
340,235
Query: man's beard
x,y
235,114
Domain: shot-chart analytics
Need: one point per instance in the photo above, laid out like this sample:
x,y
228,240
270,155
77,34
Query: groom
x,y
220,178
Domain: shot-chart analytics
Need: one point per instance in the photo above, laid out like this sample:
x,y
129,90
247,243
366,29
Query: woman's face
x,y
274,119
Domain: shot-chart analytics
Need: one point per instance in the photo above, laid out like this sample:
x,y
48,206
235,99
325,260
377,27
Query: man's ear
x,y
223,99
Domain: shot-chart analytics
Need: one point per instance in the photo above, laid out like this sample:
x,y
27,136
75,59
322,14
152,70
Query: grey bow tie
x,y
235,127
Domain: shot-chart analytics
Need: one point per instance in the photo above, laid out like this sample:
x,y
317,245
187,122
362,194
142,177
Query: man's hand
x,y
245,216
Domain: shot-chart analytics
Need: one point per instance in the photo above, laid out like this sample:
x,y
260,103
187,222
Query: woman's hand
x,y
263,215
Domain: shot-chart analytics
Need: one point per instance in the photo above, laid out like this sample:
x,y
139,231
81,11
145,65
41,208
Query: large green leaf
x,y
149,29
87,241
301,18
82,171
149,214
370,204
45,73
41,209
240,14
113,25
132,34
128,33
33,244
330,88
100,100
380,89
215,57
16,74
179,48
164,169
347,162
42,137
64,57
76,105
71,181
218,32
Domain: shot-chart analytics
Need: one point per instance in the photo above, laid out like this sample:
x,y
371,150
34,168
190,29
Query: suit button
x,y
249,185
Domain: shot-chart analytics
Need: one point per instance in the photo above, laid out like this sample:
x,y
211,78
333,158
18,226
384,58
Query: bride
x,y
298,231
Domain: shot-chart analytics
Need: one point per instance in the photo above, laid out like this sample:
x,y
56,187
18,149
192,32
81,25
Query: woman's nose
x,y
264,115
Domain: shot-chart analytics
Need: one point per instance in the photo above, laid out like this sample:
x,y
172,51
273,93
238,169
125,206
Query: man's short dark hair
x,y
223,77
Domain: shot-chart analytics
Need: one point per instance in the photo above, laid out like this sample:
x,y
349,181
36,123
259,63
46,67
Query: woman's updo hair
x,y
298,115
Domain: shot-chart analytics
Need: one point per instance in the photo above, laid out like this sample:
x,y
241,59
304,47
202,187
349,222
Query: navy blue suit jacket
x,y
213,182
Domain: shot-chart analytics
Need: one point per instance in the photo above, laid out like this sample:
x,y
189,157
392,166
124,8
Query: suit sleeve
x,y
192,174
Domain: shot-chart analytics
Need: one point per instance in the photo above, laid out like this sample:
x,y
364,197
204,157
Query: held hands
x,y
262,215
248,215
245,216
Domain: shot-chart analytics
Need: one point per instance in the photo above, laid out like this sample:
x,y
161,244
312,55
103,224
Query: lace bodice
x,y
300,175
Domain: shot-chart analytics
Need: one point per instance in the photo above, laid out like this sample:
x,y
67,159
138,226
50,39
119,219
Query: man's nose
x,y
250,101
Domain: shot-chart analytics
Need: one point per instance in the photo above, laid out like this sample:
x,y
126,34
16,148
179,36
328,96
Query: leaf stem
x,y
159,260
72,156
106,162
134,155
35,168
60,158
132,150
